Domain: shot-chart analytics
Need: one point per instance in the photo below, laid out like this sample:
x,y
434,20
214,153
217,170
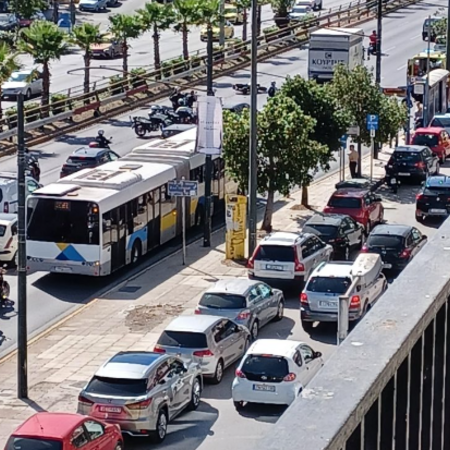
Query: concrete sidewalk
x,y
132,316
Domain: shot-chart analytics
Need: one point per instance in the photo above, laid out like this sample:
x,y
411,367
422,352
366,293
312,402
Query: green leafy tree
x,y
85,36
125,27
332,121
281,9
244,5
27,8
9,62
286,155
186,15
157,17
44,42
439,27
357,93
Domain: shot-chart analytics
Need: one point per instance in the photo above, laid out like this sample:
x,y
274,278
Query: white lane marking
x,y
402,67
388,49
415,37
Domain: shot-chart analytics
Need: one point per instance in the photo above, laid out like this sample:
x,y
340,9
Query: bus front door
x,y
118,238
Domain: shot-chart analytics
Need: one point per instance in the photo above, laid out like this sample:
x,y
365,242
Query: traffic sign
x,y
353,130
183,188
343,141
372,122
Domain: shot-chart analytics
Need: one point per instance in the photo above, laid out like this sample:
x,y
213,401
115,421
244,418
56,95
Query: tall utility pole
x,y
253,166
208,162
378,61
447,60
22,373
222,23
426,93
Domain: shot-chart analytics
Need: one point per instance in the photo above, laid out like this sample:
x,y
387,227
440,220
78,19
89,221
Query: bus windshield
x,y
62,221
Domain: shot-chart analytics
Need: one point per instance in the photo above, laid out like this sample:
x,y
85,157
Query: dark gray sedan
x,y
247,302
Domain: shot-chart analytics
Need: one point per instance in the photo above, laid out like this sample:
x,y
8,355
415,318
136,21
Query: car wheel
x,y
119,446
255,330
280,311
161,427
238,405
347,253
195,395
136,251
246,346
28,94
420,218
218,374
307,326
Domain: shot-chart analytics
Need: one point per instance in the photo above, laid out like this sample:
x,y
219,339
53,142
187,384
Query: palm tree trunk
x,y
125,58
45,86
1,108
305,199
87,63
244,25
267,222
156,47
184,32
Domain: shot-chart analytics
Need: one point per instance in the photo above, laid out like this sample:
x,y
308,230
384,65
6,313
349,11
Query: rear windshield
x,y
2,230
275,253
81,161
388,241
273,368
406,156
443,122
183,339
117,386
344,202
430,140
324,230
329,285
223,301
19,443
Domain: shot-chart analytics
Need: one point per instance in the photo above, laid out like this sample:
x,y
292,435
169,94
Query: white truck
x,y
329,47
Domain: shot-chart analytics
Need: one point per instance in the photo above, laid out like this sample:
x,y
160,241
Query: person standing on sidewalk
x,y
353,159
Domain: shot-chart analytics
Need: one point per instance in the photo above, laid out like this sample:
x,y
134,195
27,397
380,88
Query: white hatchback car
x,y
274,371
27,82
8,237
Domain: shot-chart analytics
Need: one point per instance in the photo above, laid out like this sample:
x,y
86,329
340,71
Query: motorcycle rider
x,y
191,98
101,140
272,89
33,165
373,42
175,98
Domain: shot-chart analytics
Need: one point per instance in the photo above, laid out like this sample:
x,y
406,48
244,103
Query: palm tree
x,y
125,27
8,64
85,36
244,5
186,14
44,42
157,17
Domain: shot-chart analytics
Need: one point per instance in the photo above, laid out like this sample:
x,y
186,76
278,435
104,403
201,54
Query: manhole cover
x,y
130,289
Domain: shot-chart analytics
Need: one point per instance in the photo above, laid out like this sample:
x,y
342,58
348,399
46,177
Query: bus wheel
x,y
136,251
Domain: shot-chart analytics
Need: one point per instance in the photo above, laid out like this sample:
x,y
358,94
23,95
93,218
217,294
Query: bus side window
x,y
106,223
131,214
156,202
140,221
216,170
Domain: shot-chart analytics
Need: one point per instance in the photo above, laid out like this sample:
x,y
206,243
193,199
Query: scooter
x,y
393,183
5,289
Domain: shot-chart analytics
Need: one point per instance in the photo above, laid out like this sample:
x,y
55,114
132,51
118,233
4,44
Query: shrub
x,y
61,106
114,84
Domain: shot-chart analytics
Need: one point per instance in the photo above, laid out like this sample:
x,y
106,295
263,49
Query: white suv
x,y
287,257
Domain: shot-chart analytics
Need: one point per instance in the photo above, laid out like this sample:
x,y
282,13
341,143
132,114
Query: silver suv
x,y
142,392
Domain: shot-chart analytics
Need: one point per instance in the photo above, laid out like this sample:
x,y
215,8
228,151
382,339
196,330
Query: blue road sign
x,y
372,122
343,141
183,188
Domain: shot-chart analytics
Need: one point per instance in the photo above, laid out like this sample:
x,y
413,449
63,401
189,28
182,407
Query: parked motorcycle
x,y
244,88
155,122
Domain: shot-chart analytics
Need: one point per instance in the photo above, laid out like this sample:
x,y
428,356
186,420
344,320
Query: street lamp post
x,y
378,60
426,94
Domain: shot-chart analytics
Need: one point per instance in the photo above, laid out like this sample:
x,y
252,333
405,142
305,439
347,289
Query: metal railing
x,y
387,387
149,85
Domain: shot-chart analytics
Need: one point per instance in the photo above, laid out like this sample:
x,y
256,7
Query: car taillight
x,y
139,405
299,267
6,207
9,242
197,311
85,400
419,196
405,253
420,165
355,301
303,299
158,349
290,377
203,353
244,315
365,249
240,374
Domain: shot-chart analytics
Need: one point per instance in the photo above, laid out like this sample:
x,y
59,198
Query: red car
x,y
360,204
61,431
435,138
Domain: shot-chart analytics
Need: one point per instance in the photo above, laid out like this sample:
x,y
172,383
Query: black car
x,y
412,162
86,158
434,198
396,244
340,231
428,25
236,108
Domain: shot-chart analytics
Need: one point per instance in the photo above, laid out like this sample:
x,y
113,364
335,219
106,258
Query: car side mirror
x,y
378,199
424,237
358,288
317,354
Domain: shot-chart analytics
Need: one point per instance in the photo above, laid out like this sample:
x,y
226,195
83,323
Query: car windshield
x,y
27,443
117,386
300,10
385,240
330,285
81,161
324,230
273,368
223,301
344,202
430,140
406,156
18,77
443,122
275,253
4,18
183,339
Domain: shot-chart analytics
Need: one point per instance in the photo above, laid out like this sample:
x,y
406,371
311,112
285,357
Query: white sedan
x,y
92,5
274,371
28,82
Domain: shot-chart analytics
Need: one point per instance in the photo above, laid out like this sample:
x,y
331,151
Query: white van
x,y
8,237
8,191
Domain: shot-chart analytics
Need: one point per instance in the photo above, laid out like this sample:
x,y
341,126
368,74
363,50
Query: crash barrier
x,y
388,385
140,88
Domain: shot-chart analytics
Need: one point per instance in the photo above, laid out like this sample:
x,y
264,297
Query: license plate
x,y
263,387
327,304
437,211
63,269
110,409
387,266
274,267
404,174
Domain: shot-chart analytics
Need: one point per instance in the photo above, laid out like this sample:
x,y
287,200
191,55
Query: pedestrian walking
x,y
418,116
353,159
